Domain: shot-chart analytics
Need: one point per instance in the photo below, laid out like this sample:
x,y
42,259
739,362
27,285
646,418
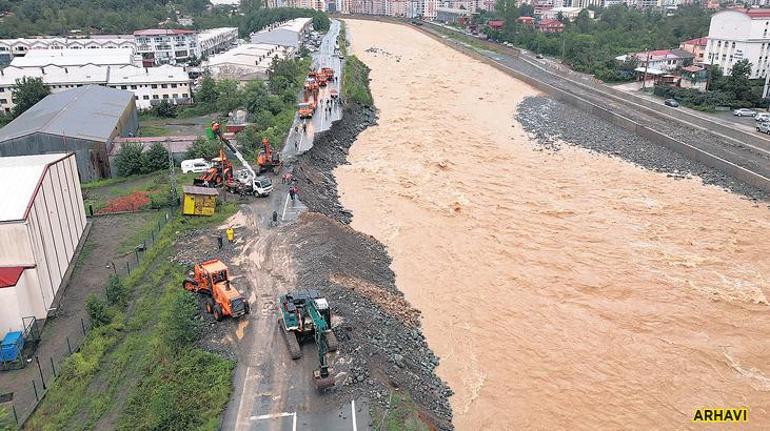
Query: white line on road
x,y
285,204
353,416
272,416
243,398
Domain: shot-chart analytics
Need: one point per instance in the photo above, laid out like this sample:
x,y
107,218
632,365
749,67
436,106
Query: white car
x,y
195,165
763,128
762,117
744,112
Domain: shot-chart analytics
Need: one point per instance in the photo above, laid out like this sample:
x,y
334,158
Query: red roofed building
x,y
696,47
526,21
495,24
550,26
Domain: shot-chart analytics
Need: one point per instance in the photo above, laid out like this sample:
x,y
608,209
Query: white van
x,y
195,165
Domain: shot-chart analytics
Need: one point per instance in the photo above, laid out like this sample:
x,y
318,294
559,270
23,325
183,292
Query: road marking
x,y
353,409
285,204
278,415
243,399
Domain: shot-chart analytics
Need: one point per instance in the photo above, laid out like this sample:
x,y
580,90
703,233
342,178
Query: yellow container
x,y
199,201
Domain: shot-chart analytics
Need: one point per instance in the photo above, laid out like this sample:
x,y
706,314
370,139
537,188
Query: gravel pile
x,y
551,121
381,348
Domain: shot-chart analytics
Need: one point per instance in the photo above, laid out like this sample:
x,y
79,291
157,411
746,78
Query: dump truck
x,y
306,109
211,281
305,315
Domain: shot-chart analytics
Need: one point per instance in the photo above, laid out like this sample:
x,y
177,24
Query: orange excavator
x,y
267,160
219,174
328,73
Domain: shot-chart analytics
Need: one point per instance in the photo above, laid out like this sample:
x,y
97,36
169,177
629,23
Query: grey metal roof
x,y
90,112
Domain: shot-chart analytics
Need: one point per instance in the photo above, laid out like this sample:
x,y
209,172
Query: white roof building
x,y
75,57
21,46
42,221
288,33
247,62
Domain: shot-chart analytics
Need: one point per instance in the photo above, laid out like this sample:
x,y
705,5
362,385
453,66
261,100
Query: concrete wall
x,y
47,238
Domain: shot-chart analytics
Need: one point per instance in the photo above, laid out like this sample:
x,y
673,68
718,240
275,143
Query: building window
x,y
175,96
155,96
133,87
165,96
3,101
124,87
154,85
163,85
173,85
146,97
184,95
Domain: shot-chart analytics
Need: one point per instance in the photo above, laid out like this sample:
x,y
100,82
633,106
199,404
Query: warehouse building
x,y
42,221
84,120
247,62
289,33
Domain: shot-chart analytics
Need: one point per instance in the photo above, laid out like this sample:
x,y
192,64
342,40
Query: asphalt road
x,y
272,392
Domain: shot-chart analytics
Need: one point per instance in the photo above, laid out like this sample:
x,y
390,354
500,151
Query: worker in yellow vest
x,y
230,234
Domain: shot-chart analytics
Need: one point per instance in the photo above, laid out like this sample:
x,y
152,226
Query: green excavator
x,y
306,315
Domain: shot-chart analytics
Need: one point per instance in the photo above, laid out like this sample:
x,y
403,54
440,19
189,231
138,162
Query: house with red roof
x,y
696,47
495,24
550,26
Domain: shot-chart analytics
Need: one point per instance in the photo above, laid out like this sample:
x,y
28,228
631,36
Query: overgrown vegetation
x,y
132,160
355,82
141,369
403,415
590,45
6,421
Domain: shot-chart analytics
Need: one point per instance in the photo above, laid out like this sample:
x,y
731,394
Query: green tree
x,y
229,96
208,93
155,158
116,292
27,93
97,311
202,148
255,96
179,323
128,160
165,109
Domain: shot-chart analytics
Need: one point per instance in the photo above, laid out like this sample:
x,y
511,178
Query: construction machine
x,y
219,174
210,279
306,109
267,159
305,315
246,180
328,73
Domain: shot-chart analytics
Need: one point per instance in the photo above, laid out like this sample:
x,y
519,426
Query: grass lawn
x,y
403,415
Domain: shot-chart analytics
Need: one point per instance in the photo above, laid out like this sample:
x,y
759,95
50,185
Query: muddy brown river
x,y
561,291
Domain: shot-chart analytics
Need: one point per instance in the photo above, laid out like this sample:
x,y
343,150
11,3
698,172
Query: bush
x,y
128,161
97,311
6,421
355,82
179,324
155,158
117,293
164,110
202,148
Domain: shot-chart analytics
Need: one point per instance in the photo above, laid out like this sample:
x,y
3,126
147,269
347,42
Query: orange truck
x,y
211,280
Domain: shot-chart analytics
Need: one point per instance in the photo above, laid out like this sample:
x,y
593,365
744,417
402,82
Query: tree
x,y
165,109
202,148
155,159
179,324
129,159
208,93
117,293
97,311
229,97
27,93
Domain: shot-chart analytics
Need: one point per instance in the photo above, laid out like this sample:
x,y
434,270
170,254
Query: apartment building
x,y
739,34
13,48
171,46
76,57
149,85
246,62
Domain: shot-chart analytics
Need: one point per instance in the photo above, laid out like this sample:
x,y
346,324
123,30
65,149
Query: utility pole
x,y
172,172
646,67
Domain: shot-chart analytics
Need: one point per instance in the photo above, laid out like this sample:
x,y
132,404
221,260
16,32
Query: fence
x,y
59,339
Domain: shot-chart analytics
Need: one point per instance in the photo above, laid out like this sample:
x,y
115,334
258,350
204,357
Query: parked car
x,y
195,165
671,102
763,128
539,56
762,116
744,112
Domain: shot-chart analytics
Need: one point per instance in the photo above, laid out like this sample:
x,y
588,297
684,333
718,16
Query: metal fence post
x,y
53,367
153,236
128,268
39,368
15,415
69,346
114,268
136,252
34,386
83,326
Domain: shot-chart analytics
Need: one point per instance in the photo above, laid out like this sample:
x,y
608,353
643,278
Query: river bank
x,y
552,279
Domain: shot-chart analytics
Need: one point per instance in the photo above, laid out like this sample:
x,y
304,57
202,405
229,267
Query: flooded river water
x,y
561,291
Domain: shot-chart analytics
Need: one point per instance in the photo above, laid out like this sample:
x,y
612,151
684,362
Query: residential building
x,y
526,21
42,222
451,15
82,120
149,85
550,26
495,24
661,60
696,47
738,34
288,33
215,40
76,57
694,76
173,46
246,62
13,48
569,13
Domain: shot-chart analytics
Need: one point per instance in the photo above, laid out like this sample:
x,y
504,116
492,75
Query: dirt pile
x,y
314,168
382,348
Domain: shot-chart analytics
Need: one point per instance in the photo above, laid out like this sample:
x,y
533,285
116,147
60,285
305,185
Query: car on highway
x,y
744,112
763,128
195,165
762,117
671,102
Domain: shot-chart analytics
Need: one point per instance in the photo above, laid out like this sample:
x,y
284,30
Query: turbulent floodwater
x,y
561,291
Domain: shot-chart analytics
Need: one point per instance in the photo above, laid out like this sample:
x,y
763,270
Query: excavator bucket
x,y
321,382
